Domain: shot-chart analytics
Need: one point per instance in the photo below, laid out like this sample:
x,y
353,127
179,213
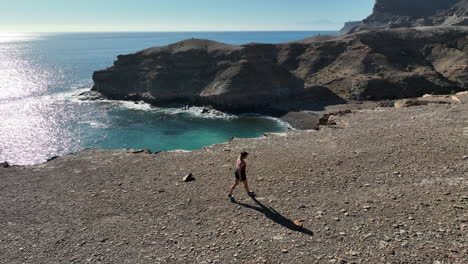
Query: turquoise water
x,y
41,117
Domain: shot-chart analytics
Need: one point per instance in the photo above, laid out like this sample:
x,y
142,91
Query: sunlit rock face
x,y
367,65
411,7
349,26
459,10
413,13
202,72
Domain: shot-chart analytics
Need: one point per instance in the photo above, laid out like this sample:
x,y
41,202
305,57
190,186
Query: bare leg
x,y
246,186
234,187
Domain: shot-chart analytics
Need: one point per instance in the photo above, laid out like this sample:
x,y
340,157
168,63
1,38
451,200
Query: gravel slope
x,y
382,186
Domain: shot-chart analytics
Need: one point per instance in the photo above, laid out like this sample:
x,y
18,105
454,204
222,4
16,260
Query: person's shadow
x,y
276,217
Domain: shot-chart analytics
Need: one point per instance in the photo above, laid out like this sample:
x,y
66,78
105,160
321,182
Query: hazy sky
x,y
178,15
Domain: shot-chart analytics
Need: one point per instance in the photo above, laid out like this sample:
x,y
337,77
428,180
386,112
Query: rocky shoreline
x,y
302,120
383,185
317,114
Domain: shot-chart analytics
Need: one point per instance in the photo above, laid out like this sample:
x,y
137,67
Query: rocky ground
x,y
383,185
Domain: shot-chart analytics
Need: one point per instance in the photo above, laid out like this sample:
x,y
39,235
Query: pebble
x,y
285,251
383,244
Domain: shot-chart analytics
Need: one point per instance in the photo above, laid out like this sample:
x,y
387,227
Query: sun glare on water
x,y
7,37
19,75
25,121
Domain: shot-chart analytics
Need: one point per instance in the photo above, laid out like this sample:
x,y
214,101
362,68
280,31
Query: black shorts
x,y
240,175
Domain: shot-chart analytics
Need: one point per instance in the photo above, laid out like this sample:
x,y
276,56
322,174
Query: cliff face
x,y
415,8
412,13
458,14
201,72
381,64
460,9
388,64
349,26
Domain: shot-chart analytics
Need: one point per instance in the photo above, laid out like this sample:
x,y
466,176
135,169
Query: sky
x,y
178,15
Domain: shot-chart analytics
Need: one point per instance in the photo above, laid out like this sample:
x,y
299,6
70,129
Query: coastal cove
x,y
235,147
42,117
382,186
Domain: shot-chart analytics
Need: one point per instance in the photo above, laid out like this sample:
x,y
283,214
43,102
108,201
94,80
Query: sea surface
x,y
41,117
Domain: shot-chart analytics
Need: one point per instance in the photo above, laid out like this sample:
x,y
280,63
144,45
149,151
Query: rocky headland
x,y
366,65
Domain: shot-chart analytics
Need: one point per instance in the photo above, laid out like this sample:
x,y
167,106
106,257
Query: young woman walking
x,y
240,174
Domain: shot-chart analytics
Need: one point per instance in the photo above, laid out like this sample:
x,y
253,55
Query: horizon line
x,y
167,31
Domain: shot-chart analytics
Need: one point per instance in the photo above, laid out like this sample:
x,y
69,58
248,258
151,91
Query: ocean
x,y
41,75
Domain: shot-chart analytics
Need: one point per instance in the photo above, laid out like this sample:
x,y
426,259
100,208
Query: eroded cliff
x,y
413,13
379,64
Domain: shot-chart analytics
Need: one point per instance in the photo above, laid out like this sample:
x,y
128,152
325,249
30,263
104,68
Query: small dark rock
x,y
52,158
136,151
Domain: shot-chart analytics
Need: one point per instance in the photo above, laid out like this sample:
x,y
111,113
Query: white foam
x,y
283,123
197,112
192,111
94,124
132,105
61,96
